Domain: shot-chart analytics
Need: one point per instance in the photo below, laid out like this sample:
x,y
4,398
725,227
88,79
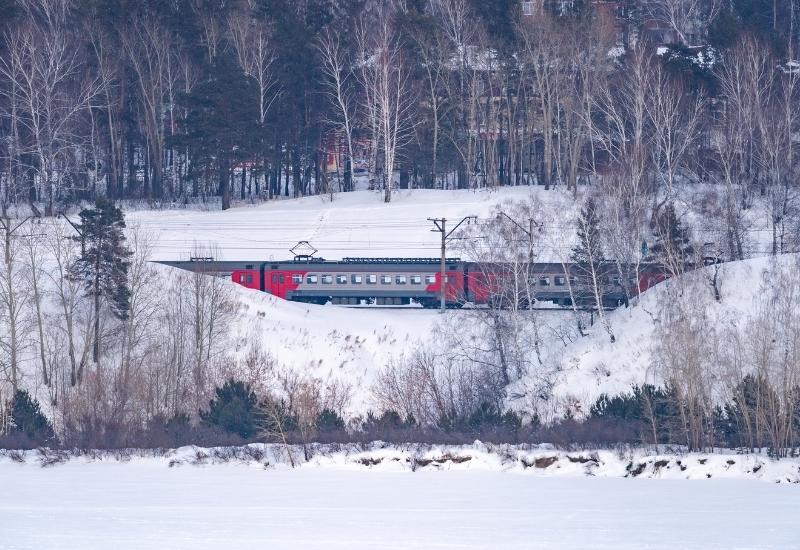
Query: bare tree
x,y
436,55
47,84
507,337
689,19
209,307
746,77
676,119
149,49
465,37
337,67
251,40
685,352
13,299
389,101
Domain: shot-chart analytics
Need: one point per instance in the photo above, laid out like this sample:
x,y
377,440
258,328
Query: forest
x,y
179,101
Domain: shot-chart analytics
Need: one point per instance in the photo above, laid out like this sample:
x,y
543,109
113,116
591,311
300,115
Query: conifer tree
x,y
587,254
27,418
103,264
234,409
672,248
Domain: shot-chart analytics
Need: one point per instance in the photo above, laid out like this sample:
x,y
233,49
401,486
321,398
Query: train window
x,y
416,279
544,281
356,279
401,279
282,278
386,279
430,279
249,279
297,278
372,279
341,279
560,281
327,279
275,278
311,279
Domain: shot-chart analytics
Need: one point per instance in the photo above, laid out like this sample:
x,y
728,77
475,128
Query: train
x,y
404,281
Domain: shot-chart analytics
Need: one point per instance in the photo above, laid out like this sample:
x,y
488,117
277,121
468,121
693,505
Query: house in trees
x,y
334,145
657,33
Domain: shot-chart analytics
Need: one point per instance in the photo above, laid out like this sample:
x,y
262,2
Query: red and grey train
x,y
400,281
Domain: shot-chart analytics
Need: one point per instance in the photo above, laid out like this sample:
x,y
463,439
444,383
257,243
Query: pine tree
x,y
221,126
234,409
587,255
27,418
673,247
103,263
329,421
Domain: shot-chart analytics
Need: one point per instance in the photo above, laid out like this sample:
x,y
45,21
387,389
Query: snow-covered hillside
x,y
334,344
593,365
350,346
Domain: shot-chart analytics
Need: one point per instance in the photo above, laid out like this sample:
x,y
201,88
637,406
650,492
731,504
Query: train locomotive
x,y
403,281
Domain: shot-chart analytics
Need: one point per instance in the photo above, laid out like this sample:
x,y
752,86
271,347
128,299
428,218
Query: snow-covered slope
x,y
334,344
350,346
593,365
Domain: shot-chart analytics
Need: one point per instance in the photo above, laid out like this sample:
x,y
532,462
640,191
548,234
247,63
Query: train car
x,y
402,281
353,281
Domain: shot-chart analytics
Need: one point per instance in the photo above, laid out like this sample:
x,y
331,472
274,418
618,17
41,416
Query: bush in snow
x,y
329,421
27,419
234,409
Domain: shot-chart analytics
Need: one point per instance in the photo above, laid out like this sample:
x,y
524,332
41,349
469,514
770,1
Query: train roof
x,y
220,267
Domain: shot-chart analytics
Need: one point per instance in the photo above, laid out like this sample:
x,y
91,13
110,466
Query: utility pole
x,y
528,232
441,227
79,230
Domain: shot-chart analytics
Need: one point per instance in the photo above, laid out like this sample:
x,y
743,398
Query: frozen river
x,y
142,506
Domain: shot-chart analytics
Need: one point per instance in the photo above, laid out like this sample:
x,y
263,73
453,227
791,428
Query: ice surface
x,y
143,504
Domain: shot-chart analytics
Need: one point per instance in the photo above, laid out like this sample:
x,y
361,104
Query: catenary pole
x,y
441,227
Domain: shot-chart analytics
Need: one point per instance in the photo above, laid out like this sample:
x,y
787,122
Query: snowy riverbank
x,y
535,460
486,498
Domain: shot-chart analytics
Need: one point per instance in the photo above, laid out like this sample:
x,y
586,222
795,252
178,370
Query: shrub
x,y
234,409
329,421
27,419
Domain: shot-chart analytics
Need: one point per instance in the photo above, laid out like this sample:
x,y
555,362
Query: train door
x,y
277,282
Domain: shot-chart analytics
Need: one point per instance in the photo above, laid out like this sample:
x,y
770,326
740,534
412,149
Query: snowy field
x,y
140,505
353,224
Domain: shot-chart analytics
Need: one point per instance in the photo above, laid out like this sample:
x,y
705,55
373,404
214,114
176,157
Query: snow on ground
x,y
353,224
333,343
143,503
594,365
